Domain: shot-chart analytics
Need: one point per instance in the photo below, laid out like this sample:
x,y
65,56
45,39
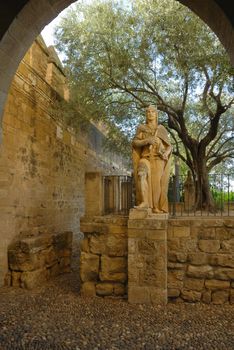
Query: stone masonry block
x,y
113,269
153,277
104,289
173,244
179,222
198,258
187,244
138,295
88,227
175,279
89,267
220,297
176,266
32,279
225,260
119,289
133,270
147,224
147,247
183,231
116,245
135,233
209,246
20,261
131,246
194,284
211,222
157,235
206,296
217,284
190,295
203,233
88,289
224,273
117,229
170,232
158,296
222,233
84,245
174,256
205,271
173,292
228,245
228,222
97,244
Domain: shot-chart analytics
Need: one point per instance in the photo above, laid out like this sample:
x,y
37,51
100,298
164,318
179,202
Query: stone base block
x,y
147,295
33,260
139,213
147,261
144,213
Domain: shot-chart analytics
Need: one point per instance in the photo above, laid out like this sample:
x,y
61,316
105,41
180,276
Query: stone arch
x,y
28,17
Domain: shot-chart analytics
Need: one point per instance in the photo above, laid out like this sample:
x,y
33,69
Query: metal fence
x,y
119,196
182,196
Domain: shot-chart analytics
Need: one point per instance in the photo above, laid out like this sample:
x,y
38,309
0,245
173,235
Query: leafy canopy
x,y
122,56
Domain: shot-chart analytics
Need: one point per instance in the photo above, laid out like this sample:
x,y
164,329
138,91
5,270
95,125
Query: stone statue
x,y
151,163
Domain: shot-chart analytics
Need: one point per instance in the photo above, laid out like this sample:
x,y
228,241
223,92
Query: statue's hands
x,y
151,141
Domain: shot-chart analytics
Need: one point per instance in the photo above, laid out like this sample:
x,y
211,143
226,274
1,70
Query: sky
x,y
47,32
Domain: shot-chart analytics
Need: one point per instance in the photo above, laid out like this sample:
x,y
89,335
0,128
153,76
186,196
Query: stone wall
x,y
103,262
33,260
42,162
201,260
194,264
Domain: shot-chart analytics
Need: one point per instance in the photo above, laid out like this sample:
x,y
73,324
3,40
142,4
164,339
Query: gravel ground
x,y
56,317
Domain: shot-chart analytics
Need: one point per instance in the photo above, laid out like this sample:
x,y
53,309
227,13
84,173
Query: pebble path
x,y
56,317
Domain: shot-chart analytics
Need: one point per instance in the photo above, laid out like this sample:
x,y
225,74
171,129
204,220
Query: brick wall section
x,y
103,262
201,260
42,162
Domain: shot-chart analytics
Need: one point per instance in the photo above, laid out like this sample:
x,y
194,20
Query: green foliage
x,y
121,58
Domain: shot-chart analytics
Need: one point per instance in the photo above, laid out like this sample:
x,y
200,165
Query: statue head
x,y
151,114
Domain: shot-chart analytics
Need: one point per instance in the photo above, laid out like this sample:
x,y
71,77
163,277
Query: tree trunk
x,y
204,198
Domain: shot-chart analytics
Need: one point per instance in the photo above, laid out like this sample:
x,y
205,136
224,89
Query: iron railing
x,y
182,196
119,196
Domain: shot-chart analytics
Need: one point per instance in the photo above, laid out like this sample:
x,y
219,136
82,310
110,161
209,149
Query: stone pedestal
x,y
147,258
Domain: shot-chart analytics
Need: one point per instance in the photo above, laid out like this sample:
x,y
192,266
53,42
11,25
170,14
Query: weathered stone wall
x,y
33,260
194,264
201,260
103,262
42,162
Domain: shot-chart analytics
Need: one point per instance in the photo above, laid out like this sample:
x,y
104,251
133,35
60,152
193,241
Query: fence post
x,y
174,196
